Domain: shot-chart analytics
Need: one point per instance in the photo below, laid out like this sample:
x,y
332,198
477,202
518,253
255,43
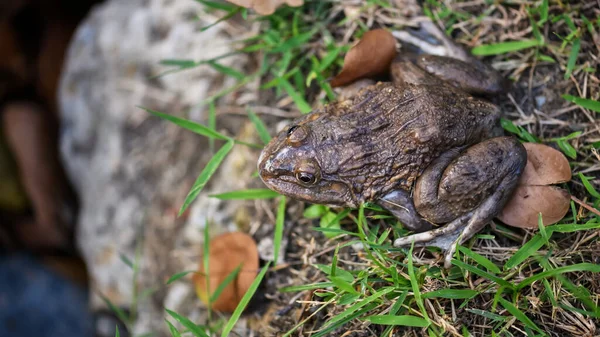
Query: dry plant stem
x,y
586,206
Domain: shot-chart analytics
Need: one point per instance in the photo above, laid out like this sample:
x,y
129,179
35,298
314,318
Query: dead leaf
x,y
266,7
545,166
528,201
226,253
371,56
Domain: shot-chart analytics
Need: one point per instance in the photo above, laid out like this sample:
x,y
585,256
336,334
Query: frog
x,y
424,146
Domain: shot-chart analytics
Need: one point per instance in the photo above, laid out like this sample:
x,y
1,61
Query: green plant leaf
x,y
226,70
116,310
589,187
300,102
314,211
526,251
579,267
451,293
196,330
228,279
583,102
206,173
259,193
178,276
263,133
173,329
188,125
218,5
402,320
489,265
513,310
504,47
244,301
278,235
572,57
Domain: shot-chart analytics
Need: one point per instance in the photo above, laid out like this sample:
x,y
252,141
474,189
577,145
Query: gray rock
x,y
132,171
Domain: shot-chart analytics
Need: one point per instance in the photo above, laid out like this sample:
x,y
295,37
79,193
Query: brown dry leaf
x,y
528,201
545,166
266,7
226,253
371,56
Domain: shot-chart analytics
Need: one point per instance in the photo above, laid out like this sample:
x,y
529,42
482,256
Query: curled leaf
x,y
545,166
528,201
266,7
371,56
534,194
227,253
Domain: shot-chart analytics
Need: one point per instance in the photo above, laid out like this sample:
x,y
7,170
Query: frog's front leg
x,y
465,190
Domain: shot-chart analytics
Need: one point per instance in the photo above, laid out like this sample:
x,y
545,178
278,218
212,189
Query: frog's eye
x,y
291,129
307,173
296,134
306,178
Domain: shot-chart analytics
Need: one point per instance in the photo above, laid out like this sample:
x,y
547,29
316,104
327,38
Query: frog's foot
x,y
430,39
445,60
466,190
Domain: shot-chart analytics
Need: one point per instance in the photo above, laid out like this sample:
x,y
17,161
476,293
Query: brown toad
x,y
422,147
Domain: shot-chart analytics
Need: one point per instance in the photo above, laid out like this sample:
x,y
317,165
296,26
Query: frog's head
x,y
290,164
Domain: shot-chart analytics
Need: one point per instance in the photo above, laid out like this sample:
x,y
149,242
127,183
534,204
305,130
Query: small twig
x,y
586,206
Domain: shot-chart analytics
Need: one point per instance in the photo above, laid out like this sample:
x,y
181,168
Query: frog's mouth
x,y
330,193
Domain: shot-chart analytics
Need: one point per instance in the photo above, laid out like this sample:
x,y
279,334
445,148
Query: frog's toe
x,y
441,237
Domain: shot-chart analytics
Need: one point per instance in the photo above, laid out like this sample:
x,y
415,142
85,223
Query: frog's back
x,y
384,137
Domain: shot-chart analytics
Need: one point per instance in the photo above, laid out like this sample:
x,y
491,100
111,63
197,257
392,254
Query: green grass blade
x,y
218,5
228,279
342,284
451,294
172,329
482,260
327,331
206,173
226,70
482,273
594,268
117,334
583,102
126,260
188,125
527,250
513,310
402,320
294,42
300,102
504,47
196,330
263,133
572,57
303,287
589,187
212,124
178,276
278,236
244,301
375,296
258,193
414,283
116,310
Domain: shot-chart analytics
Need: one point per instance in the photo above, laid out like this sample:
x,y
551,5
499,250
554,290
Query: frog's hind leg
x,y
466,190
448,61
